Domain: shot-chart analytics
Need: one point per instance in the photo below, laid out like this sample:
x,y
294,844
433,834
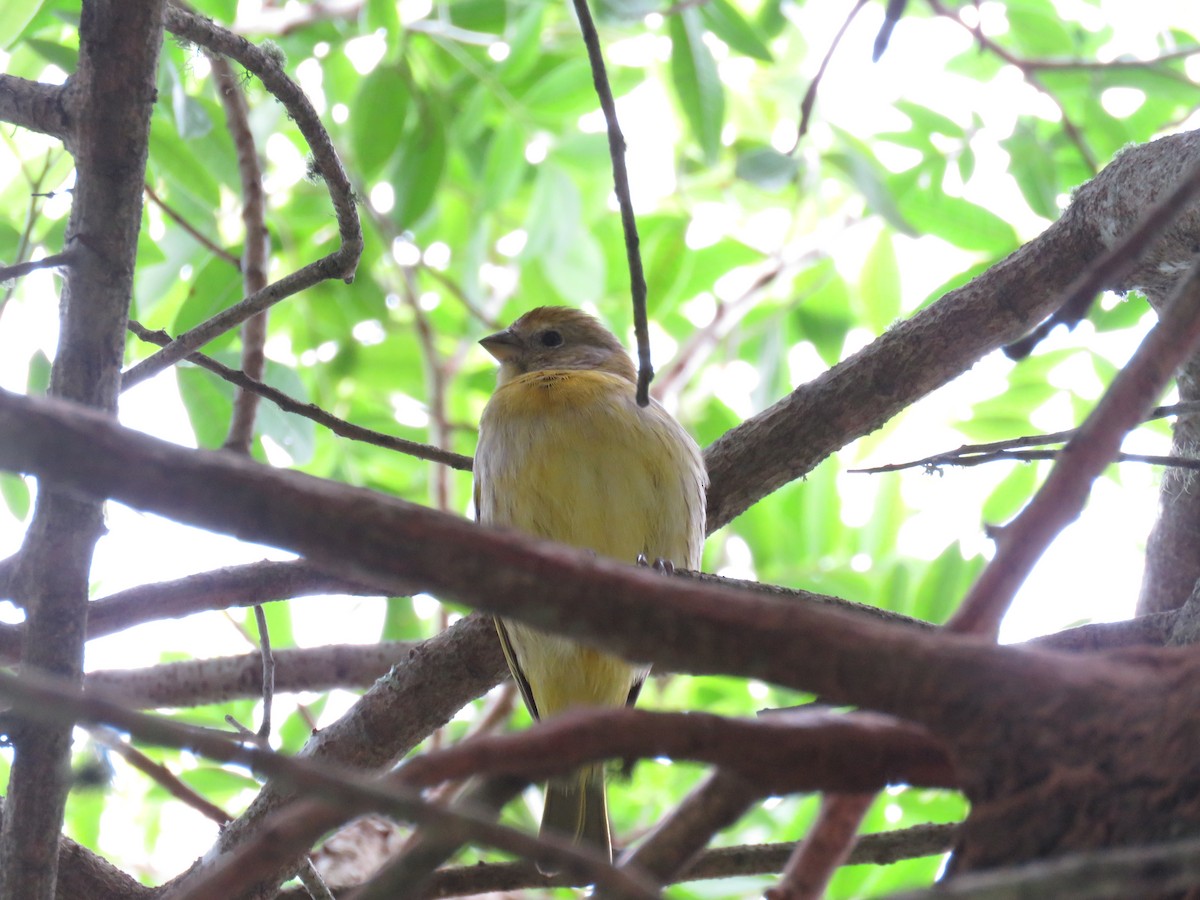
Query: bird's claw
x,y
665,566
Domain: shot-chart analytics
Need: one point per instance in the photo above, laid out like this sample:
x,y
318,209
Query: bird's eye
x,y
551,338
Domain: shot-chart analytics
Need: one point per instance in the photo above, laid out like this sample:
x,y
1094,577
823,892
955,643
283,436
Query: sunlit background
x,y
1091,573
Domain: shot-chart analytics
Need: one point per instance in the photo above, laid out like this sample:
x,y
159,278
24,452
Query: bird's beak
x,y
503,345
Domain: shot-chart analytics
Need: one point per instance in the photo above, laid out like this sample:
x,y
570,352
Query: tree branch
x,y
110,103
339,264
937,344
38,107
198,682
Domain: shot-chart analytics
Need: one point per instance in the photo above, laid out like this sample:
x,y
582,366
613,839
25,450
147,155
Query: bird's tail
x,y
576,807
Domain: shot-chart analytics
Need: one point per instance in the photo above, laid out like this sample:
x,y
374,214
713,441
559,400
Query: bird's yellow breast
x,y
569,455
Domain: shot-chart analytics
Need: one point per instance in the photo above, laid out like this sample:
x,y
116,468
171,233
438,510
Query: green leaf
x,y
66,58
418,169
564,91
697,83
879,285
576,267
945,583
723,20
766,167
824,315
16,495
1011,494
15,16
555,207
377,119
295,434
383,14
505,165
1037,29
957,221
400,622
220,10
216,287
488,16
38,379
1034,170
929,121
858,162
208,401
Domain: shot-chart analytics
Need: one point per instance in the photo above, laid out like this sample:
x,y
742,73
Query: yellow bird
x,y
566,453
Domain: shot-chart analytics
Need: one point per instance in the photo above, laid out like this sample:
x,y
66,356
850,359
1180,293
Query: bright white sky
x,y
1093,570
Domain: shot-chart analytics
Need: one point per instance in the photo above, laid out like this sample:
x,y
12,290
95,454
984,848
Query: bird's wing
x,y
515,667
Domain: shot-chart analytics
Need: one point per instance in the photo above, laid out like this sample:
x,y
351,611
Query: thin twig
x,y
268,670
36,182
616,150
933,463
178,218
1072,130
53,261
973,454
1093,447
339,264
255,253
725,862
810,95
311,411
161,775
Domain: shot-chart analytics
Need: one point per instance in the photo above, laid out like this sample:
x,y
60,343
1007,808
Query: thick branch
x,y
937,344
111,100
36,106
364,536
196,682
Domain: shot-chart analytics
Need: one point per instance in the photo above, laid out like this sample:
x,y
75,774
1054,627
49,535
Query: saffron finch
x,y
566,453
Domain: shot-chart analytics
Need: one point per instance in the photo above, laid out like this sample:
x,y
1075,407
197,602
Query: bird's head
x,y
557,337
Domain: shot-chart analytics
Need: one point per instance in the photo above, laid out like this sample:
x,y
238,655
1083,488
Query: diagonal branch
x,y
1096,443
339,264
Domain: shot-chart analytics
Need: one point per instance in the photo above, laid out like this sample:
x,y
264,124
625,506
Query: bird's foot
x,y
665,566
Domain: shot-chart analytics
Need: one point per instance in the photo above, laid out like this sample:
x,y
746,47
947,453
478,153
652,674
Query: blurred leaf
x,y
217,286
401,622
418,169
1037,29
208,401
697,84
505,166
66,58
723,20
857,161
880,284
1034,171
945,584
929,121
766,167
957,221
479,15
377,119
295,434
1011,494
38,380
15,15
16,494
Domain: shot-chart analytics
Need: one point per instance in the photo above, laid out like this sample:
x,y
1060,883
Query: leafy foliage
x,y
470,131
